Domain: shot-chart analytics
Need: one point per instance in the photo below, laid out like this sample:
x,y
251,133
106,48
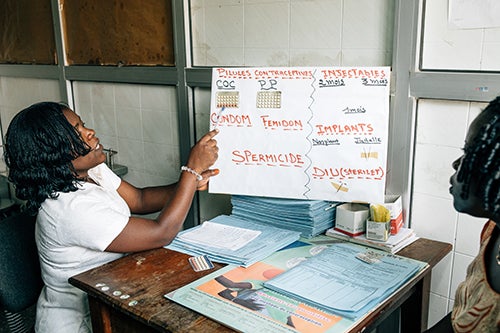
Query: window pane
x,y
26,32
292,33
118,33
448,46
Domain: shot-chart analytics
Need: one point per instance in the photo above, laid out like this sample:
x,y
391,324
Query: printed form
x,y
346,278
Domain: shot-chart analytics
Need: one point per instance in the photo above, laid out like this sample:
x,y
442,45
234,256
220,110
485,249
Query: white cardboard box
x,y
351,218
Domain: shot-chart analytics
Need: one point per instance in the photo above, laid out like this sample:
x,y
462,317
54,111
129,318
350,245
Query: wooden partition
x,y
118,33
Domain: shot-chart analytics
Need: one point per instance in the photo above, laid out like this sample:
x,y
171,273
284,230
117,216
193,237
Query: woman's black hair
x,y
481,161
39,146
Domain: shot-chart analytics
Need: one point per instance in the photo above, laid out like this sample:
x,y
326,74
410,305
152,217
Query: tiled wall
x,y
292,33
19,93
138,121
440,134
446,46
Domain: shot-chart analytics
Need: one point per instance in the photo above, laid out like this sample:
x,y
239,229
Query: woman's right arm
x,y
143,234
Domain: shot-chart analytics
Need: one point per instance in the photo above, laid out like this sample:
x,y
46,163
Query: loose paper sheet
x,y
304,133
474,14
220,236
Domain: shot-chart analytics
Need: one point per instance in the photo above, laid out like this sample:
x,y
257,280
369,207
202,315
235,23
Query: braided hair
x,y
481,160
39,146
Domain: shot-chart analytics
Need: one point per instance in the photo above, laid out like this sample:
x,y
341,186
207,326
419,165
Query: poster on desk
x,y
235,296
303,133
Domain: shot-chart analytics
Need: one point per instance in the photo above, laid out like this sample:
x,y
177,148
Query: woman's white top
x,y
72,233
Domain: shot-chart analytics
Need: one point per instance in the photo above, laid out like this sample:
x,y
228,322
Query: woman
x,y
475,187
84,210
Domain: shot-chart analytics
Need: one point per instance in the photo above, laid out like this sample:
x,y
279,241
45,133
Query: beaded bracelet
x,y
188,169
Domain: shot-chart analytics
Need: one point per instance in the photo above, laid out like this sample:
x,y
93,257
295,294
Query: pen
x,y
218,117
331,206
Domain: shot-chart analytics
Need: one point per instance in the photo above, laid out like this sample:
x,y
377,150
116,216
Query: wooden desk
x,y
147,276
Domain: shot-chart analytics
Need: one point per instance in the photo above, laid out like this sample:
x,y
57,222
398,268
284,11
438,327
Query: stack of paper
x,y
230,240
346,279
395,243
309,217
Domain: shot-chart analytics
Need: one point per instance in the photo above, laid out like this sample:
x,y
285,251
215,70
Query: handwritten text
x,y
359,109
231,119
368,141
331,83
290,124
279,159
353,73
342,172
326,142
344,129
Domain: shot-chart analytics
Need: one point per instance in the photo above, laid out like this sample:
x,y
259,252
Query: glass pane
x,y
18,93
450,42
292,33
118,33
26,32
139,122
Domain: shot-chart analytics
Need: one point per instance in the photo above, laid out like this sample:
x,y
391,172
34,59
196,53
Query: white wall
x,y
447,46
19,93
138,121
441,131
292,33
